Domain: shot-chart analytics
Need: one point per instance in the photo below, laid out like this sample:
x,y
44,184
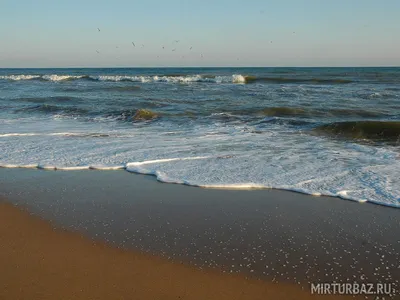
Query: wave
x,y
141,167
50,77
180,78
236,78
380,131
282,80
46,108
286,111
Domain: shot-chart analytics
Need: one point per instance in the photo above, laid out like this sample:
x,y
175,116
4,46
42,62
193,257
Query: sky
x,y
48,33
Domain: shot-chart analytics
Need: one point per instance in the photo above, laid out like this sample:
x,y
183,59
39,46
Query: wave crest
x,y
380,131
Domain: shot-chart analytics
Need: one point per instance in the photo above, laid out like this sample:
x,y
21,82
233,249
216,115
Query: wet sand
x,y
280,241
39,262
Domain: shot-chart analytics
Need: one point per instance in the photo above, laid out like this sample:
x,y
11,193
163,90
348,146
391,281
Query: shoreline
x,y
268,235
232,188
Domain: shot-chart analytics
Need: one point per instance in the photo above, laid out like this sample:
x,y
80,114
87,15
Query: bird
x,y
176,41
142,45
190,48
163,47
98,29
97,52
133,44
173,50
116,47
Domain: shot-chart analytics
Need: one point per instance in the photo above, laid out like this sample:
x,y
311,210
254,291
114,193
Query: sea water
x,y
319,131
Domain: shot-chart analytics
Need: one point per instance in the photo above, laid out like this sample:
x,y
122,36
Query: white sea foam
x,y
211,156
236,78
19,77
47,167
14,166
139,163
71,168
102,167
54,77
19,134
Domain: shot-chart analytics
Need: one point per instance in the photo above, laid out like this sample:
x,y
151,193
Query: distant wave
x,y
176,78
236,78
65,106
51,77
381,131
250,79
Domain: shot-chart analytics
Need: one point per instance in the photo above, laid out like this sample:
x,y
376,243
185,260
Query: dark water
x,y
332,131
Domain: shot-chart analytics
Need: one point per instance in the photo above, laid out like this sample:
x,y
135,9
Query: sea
x,y
318,131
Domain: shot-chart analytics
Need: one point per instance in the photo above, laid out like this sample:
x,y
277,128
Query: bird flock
x,y
163,47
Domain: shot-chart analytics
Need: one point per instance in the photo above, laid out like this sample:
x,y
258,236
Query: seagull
x,y
133,44
98,29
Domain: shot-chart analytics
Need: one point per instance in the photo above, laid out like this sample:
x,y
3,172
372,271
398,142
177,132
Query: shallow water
x,y
330,131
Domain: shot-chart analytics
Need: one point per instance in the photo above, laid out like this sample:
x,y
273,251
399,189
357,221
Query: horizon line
x,y
192,67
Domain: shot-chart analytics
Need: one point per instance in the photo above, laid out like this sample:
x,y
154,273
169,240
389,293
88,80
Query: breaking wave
x,y
236,78
176,78
381,131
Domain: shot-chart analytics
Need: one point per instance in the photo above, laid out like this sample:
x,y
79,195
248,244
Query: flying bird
x,y
98,29
173,50
133,44
142,45
190,48
176,41
97,52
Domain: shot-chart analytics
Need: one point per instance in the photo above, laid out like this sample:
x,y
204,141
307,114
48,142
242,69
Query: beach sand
x,y
39,262
126,236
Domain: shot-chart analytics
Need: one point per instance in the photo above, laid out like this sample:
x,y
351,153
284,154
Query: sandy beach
x,y
115,235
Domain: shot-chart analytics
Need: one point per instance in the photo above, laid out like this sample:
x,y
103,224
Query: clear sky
x,y
63,33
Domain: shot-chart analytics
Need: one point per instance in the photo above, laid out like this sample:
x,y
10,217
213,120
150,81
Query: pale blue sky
x,y
51,33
